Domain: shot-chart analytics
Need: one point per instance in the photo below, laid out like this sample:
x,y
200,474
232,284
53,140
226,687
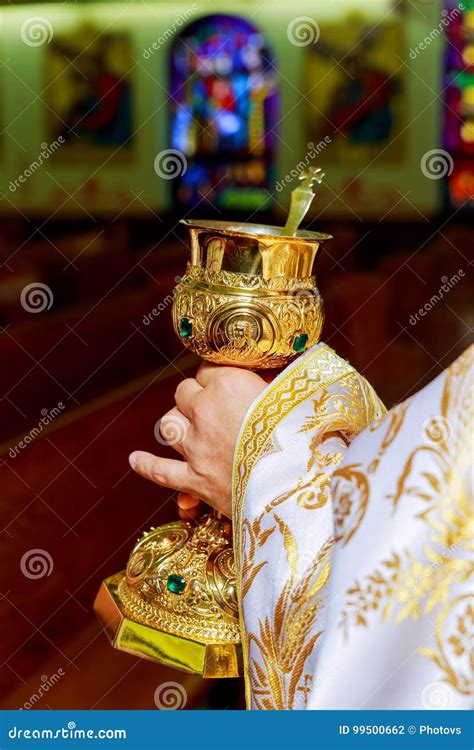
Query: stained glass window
x,y
458,132
224,114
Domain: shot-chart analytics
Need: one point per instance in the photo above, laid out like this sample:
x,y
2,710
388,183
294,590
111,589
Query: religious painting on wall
x,y
354,84
89,94
224,113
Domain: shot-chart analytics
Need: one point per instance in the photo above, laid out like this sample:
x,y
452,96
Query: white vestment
x,y
352,536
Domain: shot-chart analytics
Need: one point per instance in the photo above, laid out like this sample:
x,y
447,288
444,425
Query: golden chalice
x,y
248,299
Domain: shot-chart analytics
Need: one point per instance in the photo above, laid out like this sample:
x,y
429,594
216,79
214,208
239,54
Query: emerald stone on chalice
x,y
299,344
176,584
185,328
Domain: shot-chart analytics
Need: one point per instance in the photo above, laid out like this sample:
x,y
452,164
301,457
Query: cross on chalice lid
x,y
301,199
310,175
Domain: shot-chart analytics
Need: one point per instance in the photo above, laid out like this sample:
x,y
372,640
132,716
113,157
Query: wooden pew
x,y
73,356
82,276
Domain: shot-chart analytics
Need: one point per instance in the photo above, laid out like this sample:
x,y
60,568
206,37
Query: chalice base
x,y
208,660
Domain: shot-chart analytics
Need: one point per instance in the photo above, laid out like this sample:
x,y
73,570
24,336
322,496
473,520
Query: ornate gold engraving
x,y
206,609
240,281
243,298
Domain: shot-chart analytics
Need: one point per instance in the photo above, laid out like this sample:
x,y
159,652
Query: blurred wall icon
x,y
89,93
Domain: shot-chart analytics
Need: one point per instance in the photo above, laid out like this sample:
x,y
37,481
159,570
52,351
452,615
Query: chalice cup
x,y
248,299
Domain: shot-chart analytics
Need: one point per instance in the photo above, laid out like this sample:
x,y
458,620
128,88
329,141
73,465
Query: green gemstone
x,y
185,328
176,584
299,344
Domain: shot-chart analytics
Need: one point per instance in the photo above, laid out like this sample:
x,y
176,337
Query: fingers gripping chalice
x,y
248,299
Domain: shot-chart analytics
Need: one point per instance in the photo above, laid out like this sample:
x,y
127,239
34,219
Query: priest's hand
x,y
203,427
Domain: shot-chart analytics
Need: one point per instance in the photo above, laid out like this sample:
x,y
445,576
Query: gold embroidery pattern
x,y
351,492
350,485
436,472
286,640
455,644
395,419
296,384
342,416
253,537
313,373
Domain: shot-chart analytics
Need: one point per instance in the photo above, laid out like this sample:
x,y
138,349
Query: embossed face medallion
x,y
242,333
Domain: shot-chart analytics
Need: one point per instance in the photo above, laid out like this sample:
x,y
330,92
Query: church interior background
x,y
116,120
